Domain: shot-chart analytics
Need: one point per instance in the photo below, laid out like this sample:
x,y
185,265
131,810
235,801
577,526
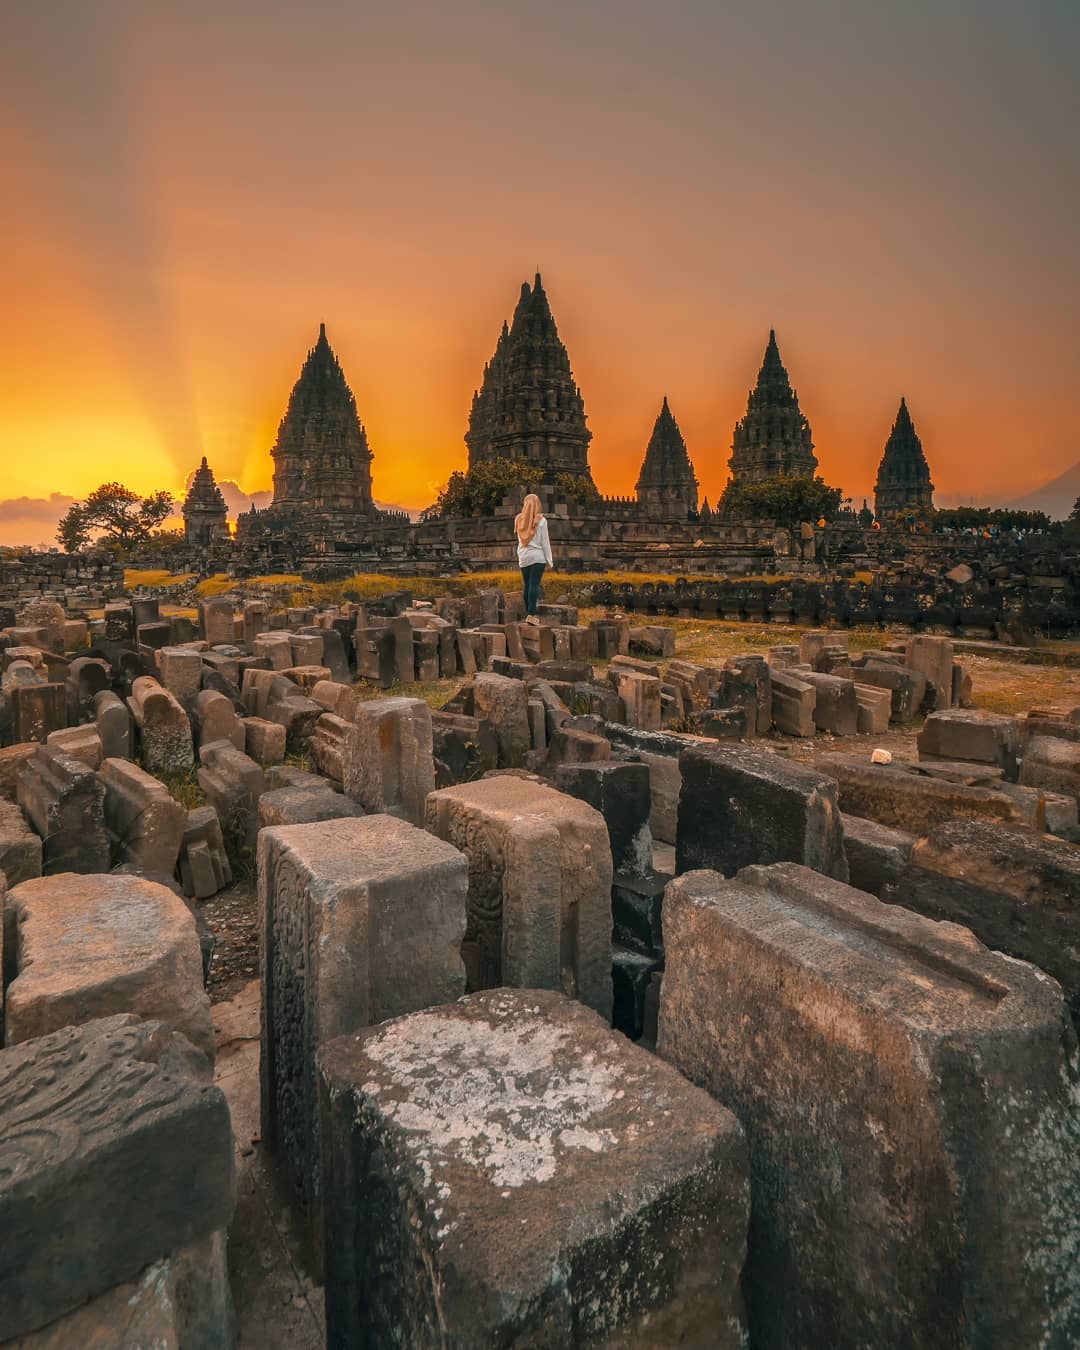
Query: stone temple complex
x,y
773,440
528,406
324,522
903,480
204,510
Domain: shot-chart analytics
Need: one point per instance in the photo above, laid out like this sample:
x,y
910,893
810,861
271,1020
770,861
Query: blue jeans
x,y
531,577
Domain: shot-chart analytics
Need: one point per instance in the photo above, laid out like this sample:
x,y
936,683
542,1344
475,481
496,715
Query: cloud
x,y
40,510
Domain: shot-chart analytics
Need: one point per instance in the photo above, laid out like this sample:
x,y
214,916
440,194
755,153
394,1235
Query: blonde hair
x,y
527,519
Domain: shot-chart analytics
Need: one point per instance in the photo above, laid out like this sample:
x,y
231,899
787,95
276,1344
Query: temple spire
x,y
903,480
528,406
666,486
773,440
322,460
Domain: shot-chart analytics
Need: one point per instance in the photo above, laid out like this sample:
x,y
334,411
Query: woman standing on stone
x,y
533,550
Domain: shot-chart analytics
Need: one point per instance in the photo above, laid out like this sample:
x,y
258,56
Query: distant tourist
x,y
534,551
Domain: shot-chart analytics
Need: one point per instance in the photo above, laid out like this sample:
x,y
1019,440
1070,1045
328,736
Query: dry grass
x,y
184,788
434,693
138,576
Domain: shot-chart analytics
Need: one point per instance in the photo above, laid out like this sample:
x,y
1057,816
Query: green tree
x,y
980,517
786,500
116,514
479,490
576,488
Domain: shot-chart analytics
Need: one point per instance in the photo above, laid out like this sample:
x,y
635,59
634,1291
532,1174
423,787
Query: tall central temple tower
x,y
528,406
321,456
773,439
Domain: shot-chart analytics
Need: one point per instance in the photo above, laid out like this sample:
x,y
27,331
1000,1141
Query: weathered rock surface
x,y
539,910
389,763
740,806
116,1151
360,920
92,946
910,1101
509,1171
182,1301
65,803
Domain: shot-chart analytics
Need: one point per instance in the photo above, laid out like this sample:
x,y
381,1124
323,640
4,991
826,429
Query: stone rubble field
x,y
621,999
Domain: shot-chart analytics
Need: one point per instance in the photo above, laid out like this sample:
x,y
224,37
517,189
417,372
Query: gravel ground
x,y
232,915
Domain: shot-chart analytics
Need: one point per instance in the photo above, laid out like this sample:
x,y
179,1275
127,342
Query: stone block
x,y
504,703
894,796
339,699
652,640
81,743
12,759
909,1101
216,620
275,648
874,709
20,847
1017,890
37,710
92,946
360,920
876,854
214,719
164,730
183,1300
233,784
326,749
116,1152
620,792
145,823
932,657
1052,764
793,703
203,864
64,802
180,670
509,1171
973,735
641,696
740,806
906,687
836,708
539,912
264,741
113,722
305,805
389,762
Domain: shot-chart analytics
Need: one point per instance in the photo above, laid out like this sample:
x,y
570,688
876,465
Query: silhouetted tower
x,y
528,406
773,440
666,486
903,478
321,457
204,510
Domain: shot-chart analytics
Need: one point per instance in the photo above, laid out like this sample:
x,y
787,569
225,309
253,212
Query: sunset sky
x,y
189,189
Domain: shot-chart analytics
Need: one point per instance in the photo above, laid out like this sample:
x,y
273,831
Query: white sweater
x,y
538,549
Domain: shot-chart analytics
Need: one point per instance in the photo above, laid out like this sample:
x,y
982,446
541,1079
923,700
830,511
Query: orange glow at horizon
x,y
186,217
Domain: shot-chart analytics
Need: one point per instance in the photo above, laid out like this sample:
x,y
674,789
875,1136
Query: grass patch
x,y
435,693
149,576
184,788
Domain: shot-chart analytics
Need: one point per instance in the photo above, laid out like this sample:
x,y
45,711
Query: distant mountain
x,y
1056,498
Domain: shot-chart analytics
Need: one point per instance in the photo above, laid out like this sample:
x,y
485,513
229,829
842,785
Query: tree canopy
x,y
977,517
480,489
788,501
115,512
